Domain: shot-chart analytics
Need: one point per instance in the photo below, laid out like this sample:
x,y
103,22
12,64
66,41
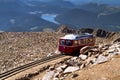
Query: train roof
x,y
77,36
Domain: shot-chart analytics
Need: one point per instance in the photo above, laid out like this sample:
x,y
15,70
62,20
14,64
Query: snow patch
x,y
35,12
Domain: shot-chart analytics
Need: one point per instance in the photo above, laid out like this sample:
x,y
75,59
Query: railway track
x,y
19,69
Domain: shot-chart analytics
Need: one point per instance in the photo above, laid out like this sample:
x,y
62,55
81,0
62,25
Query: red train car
x,y
72,43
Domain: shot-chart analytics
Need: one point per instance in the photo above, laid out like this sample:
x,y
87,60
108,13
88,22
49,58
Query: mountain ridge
x,y
83,18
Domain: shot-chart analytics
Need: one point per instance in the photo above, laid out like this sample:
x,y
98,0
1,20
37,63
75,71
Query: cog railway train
x,y
72,43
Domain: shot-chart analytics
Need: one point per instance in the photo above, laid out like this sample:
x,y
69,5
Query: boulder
x,y
72,63
85,49
105,53
71,69
61,68
83,57
57,52
92,58
94,50
48,75
101,59
74,58
101,33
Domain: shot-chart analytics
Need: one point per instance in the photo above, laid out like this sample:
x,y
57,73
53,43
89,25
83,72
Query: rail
x,y
19,69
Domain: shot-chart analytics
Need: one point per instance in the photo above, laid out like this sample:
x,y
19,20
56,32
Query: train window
x,y
62,42
68,43
82,41
79,42
76,42
89,40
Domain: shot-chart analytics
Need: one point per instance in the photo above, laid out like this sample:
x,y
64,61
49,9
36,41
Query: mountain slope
x,y
83,18
111,19
99,8
15,21
12,5
77,17
53,6
14,16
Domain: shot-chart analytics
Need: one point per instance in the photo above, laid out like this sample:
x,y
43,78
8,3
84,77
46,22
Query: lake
x,y
49,17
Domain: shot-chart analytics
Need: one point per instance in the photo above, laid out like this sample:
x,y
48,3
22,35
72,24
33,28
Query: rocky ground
x,y
23,47
20,48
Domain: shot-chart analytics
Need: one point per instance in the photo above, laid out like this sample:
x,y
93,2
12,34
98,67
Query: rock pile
x,y
65,29
89,57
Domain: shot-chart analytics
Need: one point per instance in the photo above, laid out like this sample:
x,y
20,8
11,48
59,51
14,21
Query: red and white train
x,y
72,43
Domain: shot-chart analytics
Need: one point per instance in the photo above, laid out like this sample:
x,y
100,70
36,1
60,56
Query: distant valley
x,y
36,15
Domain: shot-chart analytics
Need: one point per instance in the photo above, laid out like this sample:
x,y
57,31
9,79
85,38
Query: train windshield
x,y
68,43
62,42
